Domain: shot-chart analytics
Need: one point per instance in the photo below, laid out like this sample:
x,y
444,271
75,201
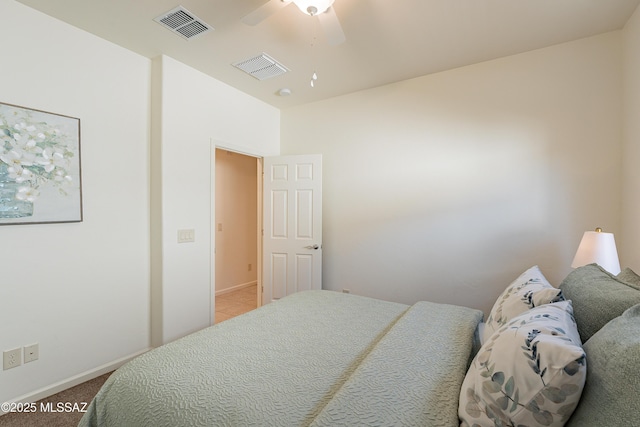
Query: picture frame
x,y
40,167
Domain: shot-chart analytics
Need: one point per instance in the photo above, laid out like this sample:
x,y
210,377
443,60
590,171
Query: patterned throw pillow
x,y
529,373
531,289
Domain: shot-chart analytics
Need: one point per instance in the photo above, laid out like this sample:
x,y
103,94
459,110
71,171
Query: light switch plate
x,y
186,236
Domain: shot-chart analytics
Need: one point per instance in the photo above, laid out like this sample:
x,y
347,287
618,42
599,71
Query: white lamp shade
x,y
600,248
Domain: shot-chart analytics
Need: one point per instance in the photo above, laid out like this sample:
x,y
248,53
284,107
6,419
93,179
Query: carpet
x,y
60,410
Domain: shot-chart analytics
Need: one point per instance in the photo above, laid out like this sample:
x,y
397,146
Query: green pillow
x,y
597,296
629,277
610,395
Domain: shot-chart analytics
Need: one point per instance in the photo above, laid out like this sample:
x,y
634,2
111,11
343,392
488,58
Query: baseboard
x,y
236,288
73,381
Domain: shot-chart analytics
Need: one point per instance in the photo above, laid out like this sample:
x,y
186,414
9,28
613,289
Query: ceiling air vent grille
x,y
183,23
261,67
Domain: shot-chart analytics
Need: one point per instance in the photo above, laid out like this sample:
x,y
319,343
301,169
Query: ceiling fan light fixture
x,y
313,7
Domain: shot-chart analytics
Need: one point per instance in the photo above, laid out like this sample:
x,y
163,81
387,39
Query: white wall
x,y
447,186
630,247
80,290
236,231
197,113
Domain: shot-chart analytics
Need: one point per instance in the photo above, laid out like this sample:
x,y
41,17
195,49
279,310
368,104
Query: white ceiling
x,y
386,40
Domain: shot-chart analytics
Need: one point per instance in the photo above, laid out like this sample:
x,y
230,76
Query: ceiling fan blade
x,y
264,11
331,26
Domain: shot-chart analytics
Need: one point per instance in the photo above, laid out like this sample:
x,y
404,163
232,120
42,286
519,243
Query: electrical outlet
x,y
249,269
11,358
31,353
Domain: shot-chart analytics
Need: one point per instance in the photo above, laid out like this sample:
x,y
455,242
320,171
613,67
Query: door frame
x,y
221,145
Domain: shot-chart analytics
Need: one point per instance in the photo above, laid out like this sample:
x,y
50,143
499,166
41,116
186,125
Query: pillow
x,y
610,396
531,372
629,277
531,289
598,296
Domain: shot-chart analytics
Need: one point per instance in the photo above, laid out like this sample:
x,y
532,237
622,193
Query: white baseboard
x,y
236,288
73,381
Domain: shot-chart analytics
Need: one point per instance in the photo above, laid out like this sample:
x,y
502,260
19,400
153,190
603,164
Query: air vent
x,y
183,23
261,67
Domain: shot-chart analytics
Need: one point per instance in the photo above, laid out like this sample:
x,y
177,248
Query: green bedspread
x,y
298,362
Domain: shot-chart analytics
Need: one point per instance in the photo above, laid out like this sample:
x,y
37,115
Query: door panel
x,y
280,218
292,243
304,212
278,275
304,272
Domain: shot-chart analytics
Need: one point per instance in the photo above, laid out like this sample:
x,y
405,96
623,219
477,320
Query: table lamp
x,y
600,248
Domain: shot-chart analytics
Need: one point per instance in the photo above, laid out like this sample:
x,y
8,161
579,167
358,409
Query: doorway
x,y
237,221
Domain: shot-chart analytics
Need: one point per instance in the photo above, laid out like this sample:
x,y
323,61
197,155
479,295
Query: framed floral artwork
x,y
40,174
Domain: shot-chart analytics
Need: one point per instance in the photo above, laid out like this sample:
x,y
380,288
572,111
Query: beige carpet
x,y
63,401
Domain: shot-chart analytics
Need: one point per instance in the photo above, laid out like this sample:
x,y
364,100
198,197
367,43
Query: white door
x,y
292,241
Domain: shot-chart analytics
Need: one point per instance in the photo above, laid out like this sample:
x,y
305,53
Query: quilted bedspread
x,y
316,358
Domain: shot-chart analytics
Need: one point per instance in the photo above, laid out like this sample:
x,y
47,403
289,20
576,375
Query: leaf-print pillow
x,y
531,372
531,289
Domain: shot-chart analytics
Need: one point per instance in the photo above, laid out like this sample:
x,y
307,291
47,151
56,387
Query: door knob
x,y
314,247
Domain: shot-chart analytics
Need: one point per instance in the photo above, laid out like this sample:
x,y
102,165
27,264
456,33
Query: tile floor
x,y
235,303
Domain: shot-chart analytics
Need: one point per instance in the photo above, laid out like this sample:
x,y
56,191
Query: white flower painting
x,y
40,179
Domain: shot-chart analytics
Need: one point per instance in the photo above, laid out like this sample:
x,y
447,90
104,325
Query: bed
x,y
322,358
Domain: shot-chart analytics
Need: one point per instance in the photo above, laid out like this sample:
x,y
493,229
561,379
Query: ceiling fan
x,y
321,8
